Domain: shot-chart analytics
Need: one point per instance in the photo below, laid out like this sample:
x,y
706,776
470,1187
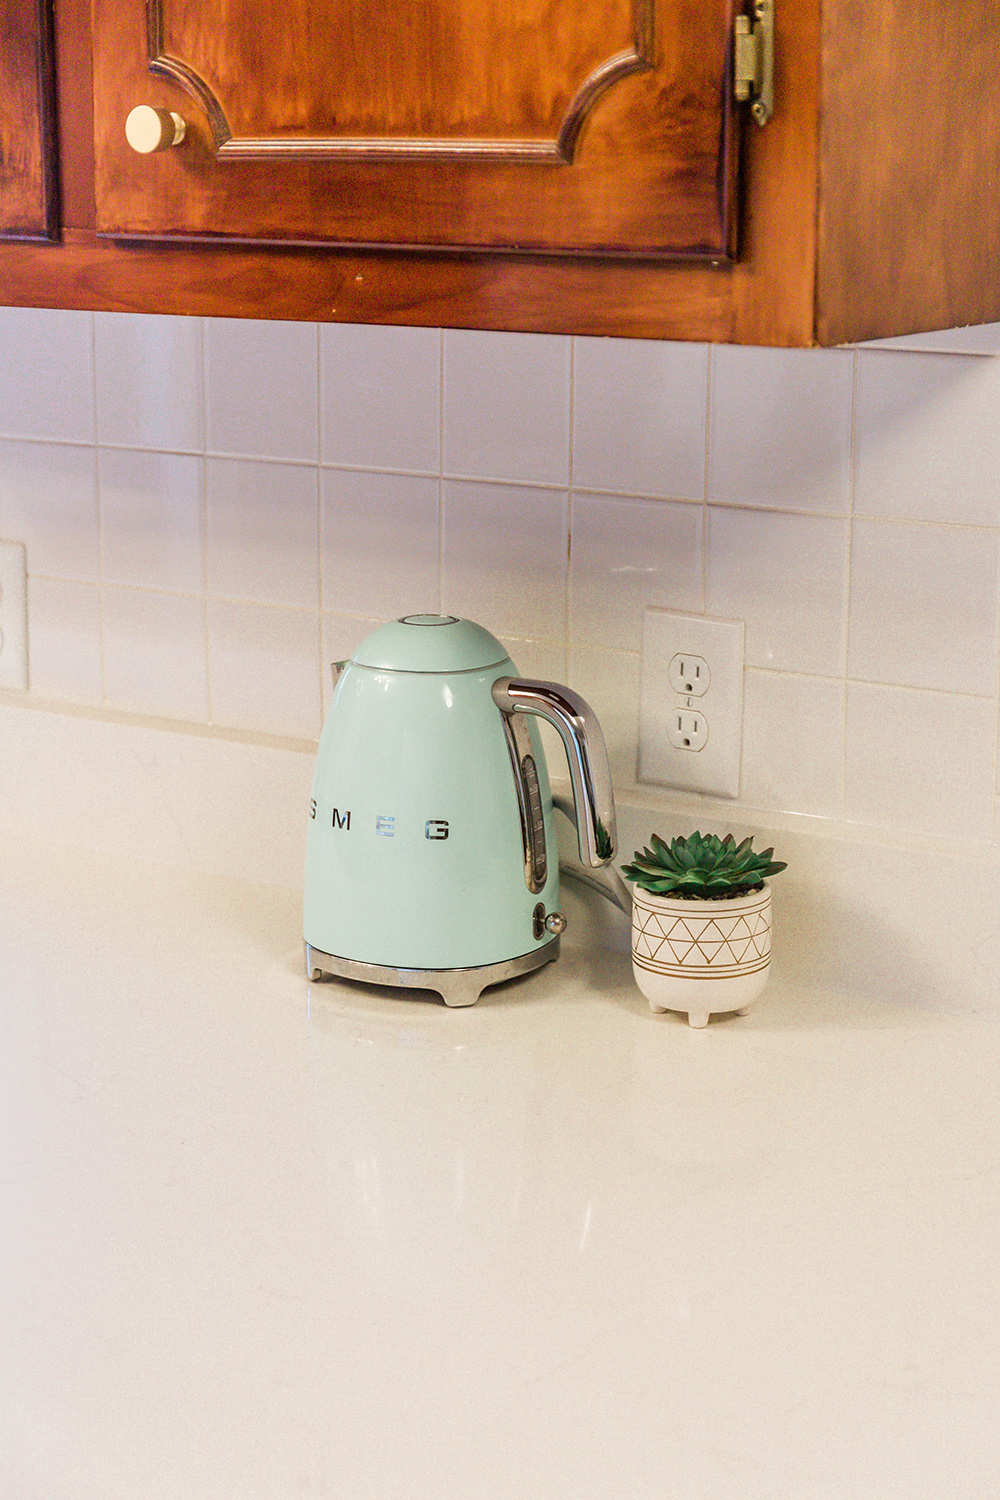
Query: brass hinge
x,y
754,60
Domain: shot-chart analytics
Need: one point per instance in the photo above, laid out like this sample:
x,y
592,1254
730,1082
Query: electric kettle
x,y
431,861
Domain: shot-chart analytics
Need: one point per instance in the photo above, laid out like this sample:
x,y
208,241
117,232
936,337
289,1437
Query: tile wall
x,y
213,509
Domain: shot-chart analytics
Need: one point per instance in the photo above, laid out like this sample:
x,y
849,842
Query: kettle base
x,y
455,986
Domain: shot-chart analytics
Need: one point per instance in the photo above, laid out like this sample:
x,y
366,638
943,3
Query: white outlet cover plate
x,y
715,769
13,617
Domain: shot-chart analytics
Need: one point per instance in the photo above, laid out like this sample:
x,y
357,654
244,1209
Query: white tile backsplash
x,y
264,667
780,427
785,576
923,609
845,504
48,501
380,543
262,389
152,523
149,382
506,406
793,743
625,554
639,412
503,558
47,374
380,397
927,443
263,531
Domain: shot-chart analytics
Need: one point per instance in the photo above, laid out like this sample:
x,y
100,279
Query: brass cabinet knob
x,y
148,129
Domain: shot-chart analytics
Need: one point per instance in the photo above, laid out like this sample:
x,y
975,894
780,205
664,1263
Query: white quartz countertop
x,y
263,1239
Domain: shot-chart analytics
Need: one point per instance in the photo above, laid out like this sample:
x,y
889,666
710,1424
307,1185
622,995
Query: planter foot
x,y
698,1018
659,1009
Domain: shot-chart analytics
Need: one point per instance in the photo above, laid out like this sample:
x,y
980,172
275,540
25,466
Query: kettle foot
x,y
457,987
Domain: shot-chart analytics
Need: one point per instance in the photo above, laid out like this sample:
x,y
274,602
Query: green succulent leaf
x,y
701,865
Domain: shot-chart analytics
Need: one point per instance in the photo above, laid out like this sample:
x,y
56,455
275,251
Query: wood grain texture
x,y
497,292
583,151
28,196
766,299
909,209
481,80
859,218
75,112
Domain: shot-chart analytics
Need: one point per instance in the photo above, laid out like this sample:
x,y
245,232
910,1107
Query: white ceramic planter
x,y
701,957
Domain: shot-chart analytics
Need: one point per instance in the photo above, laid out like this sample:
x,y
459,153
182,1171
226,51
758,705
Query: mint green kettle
x,y
431,861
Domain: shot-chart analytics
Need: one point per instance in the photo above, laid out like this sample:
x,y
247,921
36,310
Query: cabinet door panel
x,y
27,139
535,125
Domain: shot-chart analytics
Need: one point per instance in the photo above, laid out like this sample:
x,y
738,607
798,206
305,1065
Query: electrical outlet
x,y
13,617
691,739
689,676
687,730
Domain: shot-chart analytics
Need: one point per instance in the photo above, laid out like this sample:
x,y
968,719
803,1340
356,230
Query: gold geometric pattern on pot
x,y
702,942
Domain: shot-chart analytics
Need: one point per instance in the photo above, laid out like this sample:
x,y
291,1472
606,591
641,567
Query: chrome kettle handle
x,y
589,772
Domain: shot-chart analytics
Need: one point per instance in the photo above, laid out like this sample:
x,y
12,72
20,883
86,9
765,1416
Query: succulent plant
x,y
701,866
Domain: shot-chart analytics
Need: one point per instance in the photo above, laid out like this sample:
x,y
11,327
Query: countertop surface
x,y
262,1238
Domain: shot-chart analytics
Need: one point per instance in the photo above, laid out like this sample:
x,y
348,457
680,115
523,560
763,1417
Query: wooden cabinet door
x,y
27,137
584,127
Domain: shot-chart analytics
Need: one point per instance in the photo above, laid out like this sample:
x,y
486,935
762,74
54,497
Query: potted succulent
x,y
701,923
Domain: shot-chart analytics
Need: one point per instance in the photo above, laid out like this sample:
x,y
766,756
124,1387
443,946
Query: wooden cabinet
x,y
542,165
28,208
548,126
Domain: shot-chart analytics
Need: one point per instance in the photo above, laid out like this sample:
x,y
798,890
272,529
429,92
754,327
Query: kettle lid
x,y
430,643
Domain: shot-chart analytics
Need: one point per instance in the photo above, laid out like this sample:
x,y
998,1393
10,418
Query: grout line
x,y
160,592
206,621
200,382
705,483
320,573
866,682
320,665
93,372
994,830
209,684
368,469
319,395
51,442
848,573
320,579
511,484
974,526
906,687
100,571
204,387
440,474
570,503
206,618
